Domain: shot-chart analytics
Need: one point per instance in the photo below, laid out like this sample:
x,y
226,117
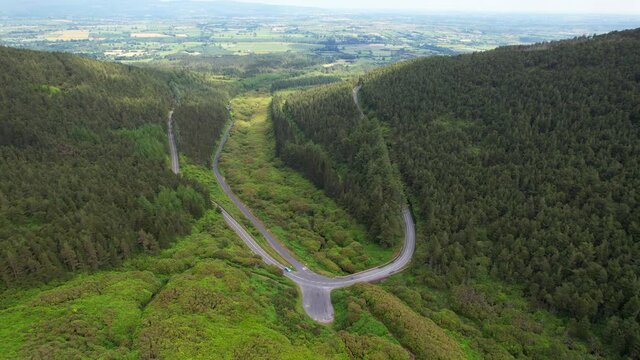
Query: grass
x,y
205,297
368,310
488,319
92,314
212,293
349,316
67,35
49,89
207,178
320,234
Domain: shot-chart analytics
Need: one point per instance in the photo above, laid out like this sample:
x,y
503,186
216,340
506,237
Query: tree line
x,y
522,164
200,114
320,132
83,178
302,81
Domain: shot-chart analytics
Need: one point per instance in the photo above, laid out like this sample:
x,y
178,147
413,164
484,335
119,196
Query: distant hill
x,y
84,180
142,9
522,164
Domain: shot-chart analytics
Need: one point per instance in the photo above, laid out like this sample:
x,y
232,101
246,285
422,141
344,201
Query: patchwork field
x,y
149,35
365,41
67,35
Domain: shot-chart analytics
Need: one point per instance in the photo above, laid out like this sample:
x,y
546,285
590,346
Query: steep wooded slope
x,y
523,165
321,133
84,181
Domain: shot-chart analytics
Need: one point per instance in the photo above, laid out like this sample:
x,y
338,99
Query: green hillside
x,y
84,180
107,254
522,166
321,133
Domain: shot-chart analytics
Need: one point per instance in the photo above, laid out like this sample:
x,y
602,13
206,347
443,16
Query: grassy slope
x,y
487,320
206,296
207,178
319,232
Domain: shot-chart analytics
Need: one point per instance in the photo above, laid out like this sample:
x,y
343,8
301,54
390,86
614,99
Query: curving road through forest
x,y
175,164
316,289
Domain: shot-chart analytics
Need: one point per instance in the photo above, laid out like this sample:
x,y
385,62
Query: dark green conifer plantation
x,y
522,164
84,181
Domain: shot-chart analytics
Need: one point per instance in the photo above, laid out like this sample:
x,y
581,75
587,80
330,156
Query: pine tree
x,y
69,257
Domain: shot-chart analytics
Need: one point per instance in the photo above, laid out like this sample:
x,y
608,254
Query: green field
x,y
366,41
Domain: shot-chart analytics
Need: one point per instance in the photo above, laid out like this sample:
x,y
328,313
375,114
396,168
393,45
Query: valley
x,y
370,39
304,219
316,289
194,180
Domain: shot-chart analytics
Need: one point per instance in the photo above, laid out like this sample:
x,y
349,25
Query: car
x,y
286,269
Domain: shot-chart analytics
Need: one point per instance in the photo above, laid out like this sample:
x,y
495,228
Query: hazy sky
x,y
556,6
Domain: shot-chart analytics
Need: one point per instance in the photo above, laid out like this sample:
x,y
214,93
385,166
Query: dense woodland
x,y
84,181
301,81
522,164
244,66
321,133
200,114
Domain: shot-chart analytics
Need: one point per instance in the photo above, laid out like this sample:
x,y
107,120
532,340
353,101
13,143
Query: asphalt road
x,y
245,211
355,99
175,164
316,289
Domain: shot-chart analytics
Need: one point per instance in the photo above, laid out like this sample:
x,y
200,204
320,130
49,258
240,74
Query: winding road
x,y
355,99
316,289
175,164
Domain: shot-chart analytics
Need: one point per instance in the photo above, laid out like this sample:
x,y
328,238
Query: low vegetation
x,y
301,216
207,296
419,334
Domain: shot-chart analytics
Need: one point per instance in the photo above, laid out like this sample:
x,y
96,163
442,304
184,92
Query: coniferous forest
x,y
520,167
200,114
321,133
84,181
521,164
